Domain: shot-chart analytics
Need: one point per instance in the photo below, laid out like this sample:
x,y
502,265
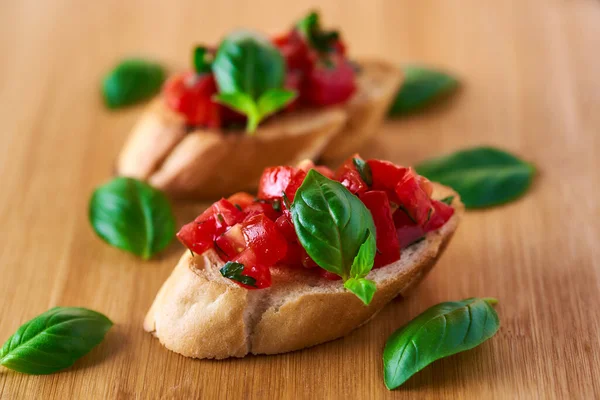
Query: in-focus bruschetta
x,y
315,255
301,97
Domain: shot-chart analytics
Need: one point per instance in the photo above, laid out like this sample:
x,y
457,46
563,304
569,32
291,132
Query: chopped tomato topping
x,y
388,247
330,82
259,232
191,95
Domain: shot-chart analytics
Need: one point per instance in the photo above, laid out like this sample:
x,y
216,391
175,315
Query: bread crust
x,y
205,164
198,313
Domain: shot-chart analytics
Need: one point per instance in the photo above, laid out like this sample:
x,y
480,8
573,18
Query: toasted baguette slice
x,y
378,84
199,313
205,164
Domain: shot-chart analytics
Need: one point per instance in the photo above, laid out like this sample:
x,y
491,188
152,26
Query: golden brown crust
x,y
205,164
200,314
378,84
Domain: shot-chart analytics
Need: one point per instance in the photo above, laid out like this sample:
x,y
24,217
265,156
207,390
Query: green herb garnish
x,y
233,271
364,170
131,81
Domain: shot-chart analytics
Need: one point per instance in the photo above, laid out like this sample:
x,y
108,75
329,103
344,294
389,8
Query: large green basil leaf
x,y
247,62
54,340
421,87
483,176
133,216
132,81
442,330
332,224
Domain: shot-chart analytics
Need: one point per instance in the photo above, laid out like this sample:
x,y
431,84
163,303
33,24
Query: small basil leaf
x,y
331,223
420,88
247,62
483,176
133,216
233,271
363,288
440,331
363,262
364,170
447,200
244,104
54,340
319,39
132,81
274,100
202,62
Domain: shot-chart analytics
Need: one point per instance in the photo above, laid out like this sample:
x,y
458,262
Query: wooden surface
x,y
531,73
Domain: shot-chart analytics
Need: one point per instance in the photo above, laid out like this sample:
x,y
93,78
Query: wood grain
x,y
531,85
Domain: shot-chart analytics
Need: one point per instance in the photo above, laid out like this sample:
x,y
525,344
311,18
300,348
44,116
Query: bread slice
x,y
378,84
199,313
205,164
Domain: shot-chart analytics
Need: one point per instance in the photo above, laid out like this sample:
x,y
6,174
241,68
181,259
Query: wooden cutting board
x,y
531,74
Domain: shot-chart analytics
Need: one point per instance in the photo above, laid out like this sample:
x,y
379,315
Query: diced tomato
x,y
200,234
254,269
441,214
262,236
295,51
262,207
352,180
388,247
386,176
191,94
406,230
294,184
293,81
242,199
274,181
413,199
329,82
230,243
286,227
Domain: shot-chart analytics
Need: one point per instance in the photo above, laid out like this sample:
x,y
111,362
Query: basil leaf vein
x,y
133,216
483,176
442,330
334,227
421,87
54,340
131,81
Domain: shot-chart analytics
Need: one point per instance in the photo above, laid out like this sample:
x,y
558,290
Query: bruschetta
x,y
263,276
306,100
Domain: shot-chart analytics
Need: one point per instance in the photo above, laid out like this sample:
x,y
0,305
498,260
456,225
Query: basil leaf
x,y
247,62
319,39
332,225
132,81
363,262
274,100
54,340
201,59
363,288
420,88
364,170
440,331
233,271
243,104
447,200
133,216
483,176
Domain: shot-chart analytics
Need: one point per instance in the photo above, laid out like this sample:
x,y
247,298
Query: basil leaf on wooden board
x,y
420,88
131,81
442,330
233,271
133,216
54,340
483,176
332,225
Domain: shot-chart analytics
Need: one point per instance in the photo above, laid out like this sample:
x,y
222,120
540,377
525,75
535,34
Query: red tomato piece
x,y
264,239
262,207
441,214
329,82
350,177
226,213
388,247
386,176
254,269
294,184
413,199
295,51
191,95
231,242
286,227
274,181
242,199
